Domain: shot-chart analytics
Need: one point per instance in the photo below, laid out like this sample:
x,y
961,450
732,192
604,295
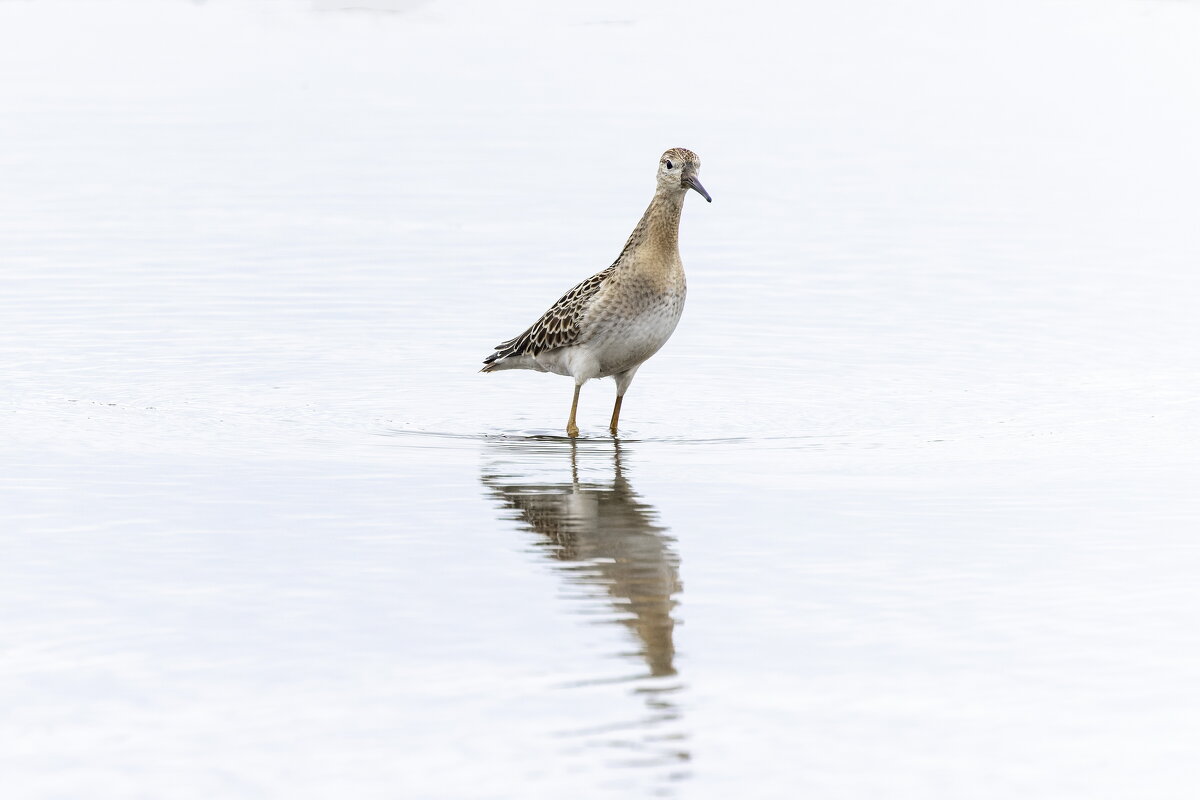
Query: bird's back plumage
x,y
560,326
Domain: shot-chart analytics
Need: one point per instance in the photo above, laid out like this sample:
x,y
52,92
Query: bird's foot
x,y
573,431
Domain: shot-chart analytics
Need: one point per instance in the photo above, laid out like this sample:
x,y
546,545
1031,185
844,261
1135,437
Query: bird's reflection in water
x,y
608,541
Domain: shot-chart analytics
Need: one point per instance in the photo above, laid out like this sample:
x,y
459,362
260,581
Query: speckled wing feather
x,y
558,327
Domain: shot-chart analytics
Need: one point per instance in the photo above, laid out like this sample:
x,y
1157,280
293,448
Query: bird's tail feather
x,y
497,362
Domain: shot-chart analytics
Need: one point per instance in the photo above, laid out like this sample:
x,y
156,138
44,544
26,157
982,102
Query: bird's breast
x,y
633,321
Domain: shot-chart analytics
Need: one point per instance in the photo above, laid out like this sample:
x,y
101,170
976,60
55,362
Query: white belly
x,y
617,341
628,343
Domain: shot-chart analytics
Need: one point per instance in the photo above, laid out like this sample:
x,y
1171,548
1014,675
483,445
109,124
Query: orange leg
x,y
612,425
572,428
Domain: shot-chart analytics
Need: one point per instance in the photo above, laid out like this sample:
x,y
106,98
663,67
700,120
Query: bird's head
x,y
678,170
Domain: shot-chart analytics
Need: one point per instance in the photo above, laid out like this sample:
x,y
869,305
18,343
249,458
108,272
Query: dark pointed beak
x,y
692,182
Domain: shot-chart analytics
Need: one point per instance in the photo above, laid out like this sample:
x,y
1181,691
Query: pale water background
x,y
907,508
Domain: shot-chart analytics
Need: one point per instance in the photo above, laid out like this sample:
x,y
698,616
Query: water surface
x,y
906,507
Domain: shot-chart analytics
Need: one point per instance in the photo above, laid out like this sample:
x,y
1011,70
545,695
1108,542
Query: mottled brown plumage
x,y
609,324
558,327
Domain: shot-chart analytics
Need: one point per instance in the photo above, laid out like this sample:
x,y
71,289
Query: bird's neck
x,y
656,236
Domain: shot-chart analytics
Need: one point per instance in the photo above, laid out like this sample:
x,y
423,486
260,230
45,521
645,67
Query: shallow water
x,y
905,508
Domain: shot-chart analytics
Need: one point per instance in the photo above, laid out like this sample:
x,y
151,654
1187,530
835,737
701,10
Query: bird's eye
x,y
670,165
